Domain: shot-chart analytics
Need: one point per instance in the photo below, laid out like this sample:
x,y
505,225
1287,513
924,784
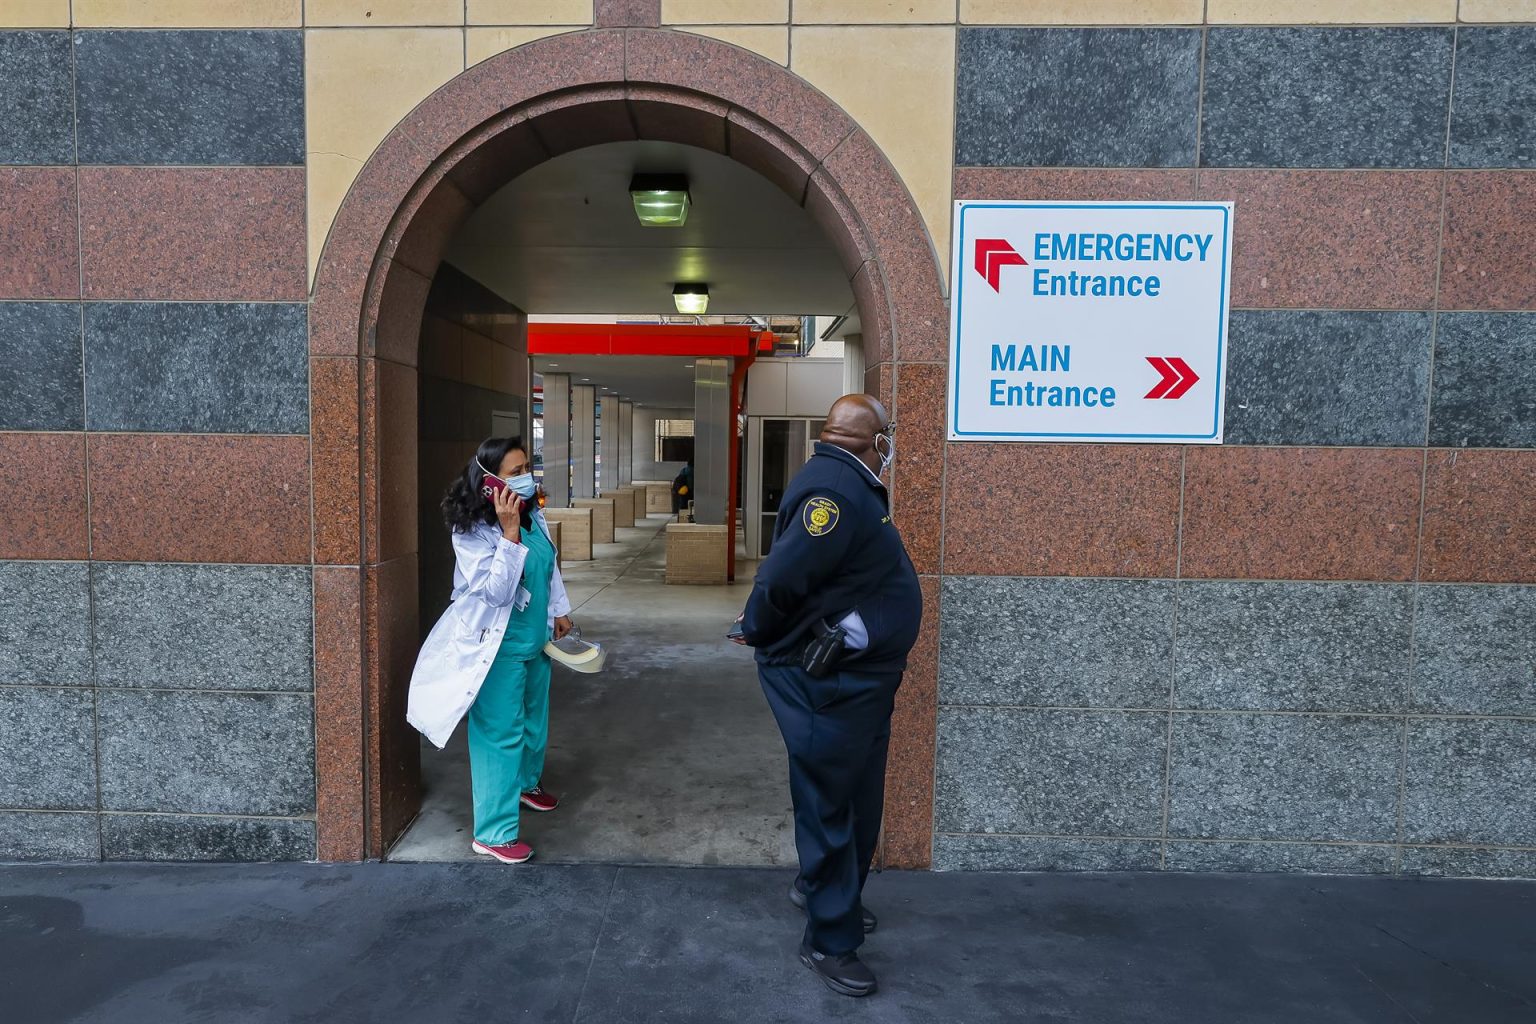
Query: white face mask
x,y
888,455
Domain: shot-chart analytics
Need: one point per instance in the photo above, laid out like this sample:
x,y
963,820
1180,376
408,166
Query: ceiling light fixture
x,y
691,299
661,200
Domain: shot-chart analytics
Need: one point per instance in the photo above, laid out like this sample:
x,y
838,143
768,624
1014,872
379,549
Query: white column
x,y
583,441
626,442
612,442
557,439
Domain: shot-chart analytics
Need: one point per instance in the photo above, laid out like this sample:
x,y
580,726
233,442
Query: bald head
x,y
852,423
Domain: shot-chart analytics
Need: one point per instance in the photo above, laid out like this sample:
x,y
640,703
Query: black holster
x,y
824,650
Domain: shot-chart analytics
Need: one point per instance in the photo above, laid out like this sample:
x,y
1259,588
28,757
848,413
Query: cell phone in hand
x,y
735,633
490,485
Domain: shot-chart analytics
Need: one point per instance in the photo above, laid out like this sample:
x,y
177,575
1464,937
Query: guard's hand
x,y
563,625
740,640
509,509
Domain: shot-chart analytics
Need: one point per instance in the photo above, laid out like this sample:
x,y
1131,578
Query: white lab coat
x,y
458,652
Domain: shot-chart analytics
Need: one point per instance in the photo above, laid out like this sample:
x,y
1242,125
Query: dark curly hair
x,y
464,505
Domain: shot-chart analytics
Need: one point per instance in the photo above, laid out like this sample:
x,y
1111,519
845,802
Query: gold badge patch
x,y
820,516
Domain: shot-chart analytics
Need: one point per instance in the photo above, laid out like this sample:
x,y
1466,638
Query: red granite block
x,y
1480,517
908,841
42,496
1488,259
337,505
402,300
917,483
1301,513
339,713
1331,239
398,440
672,115
1075,184
199,498
393,639
39,236
333,401
193,233
1061,510
626,13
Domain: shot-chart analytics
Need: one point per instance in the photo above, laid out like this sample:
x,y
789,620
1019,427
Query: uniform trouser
x,y
837,731
508,733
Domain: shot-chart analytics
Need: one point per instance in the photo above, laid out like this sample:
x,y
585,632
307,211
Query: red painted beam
x,y
645,340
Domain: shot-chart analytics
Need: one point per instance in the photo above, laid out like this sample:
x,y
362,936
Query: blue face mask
x,y
522,486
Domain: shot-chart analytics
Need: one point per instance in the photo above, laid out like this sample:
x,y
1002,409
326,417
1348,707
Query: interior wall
x,y
643,444
474,365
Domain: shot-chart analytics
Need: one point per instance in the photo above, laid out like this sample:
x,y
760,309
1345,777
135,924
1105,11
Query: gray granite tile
x,y
220,627
36,120
210,367
1071,643
191,97
1493,109
1468,862
1076,97
40,350
207,753
1039,853
38,835
1470,781
1293,646
179,837
1063,773
1485,381
1325,97
1475,650
1308,777
45,623
1327,378
1308,858
47,748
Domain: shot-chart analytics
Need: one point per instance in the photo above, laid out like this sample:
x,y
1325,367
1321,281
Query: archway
x,y
466,140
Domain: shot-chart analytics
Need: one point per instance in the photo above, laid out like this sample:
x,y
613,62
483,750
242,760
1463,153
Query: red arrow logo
x,y
1177,377
992,255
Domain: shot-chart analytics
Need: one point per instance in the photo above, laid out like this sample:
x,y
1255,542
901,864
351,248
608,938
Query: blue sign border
x,y
1221,336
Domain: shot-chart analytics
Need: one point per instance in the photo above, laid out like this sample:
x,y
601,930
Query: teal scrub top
x,y
528,629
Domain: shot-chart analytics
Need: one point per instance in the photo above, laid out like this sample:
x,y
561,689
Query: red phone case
x,y
490,485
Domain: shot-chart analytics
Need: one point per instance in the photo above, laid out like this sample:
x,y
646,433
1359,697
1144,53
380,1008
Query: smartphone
x,y
490,485
735,633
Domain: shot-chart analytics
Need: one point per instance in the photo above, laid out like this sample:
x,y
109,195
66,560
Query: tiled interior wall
x,y
1307,649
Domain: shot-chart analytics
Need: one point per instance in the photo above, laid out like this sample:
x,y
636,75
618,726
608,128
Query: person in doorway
x,y
682,488
485,657
833,614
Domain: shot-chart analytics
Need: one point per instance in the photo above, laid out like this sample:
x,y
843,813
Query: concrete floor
x,y
592,944
668,756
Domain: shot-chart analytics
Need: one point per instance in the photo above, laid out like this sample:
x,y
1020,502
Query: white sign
x,y
1089,321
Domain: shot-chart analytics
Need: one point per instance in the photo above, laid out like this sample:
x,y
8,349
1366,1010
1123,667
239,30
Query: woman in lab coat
x,y
485,657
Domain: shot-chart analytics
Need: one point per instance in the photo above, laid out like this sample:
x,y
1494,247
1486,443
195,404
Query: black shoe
x,y
869,920
844,974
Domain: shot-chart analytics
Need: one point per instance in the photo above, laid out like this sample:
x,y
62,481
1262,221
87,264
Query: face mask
x,y
522,486
888,454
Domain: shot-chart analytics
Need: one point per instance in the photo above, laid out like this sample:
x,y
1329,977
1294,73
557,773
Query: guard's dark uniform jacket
x,y
835,550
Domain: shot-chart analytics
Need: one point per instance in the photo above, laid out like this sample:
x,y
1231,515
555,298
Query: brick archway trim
x,y
461,144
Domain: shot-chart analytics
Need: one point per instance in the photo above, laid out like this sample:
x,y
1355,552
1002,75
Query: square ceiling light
x,y
691,299
661,200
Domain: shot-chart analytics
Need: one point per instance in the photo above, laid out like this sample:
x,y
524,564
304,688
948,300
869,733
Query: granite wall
x,y
1308,649
1314,647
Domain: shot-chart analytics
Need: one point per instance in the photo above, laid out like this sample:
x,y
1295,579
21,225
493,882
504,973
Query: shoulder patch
x,y
820,516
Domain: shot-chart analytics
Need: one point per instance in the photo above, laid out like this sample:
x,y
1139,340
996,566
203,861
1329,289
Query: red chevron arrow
x,y
992,255
1177,377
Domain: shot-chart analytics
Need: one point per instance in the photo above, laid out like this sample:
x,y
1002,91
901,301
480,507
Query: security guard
x,y
837,592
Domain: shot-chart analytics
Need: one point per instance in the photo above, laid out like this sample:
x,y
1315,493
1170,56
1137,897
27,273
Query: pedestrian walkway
x,y
450,943
668,756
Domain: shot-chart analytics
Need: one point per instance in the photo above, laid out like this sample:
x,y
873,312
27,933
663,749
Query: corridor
x,y
668,756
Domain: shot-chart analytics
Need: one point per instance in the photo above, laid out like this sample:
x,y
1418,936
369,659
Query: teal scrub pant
x,y
508,733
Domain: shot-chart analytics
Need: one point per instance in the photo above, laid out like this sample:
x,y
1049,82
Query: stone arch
x,y
462,143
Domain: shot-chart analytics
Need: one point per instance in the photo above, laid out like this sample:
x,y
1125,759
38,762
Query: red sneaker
x,y
538,800
515,852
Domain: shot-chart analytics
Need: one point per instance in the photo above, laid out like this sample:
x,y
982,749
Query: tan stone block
x,y
1082,12
874,12
724,12
602,517
530,12
484,43
772,41
1326,12
888,80
358,84
623,506
1498,10
34,14
383,12
658,498
696,554
575,532
187,13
